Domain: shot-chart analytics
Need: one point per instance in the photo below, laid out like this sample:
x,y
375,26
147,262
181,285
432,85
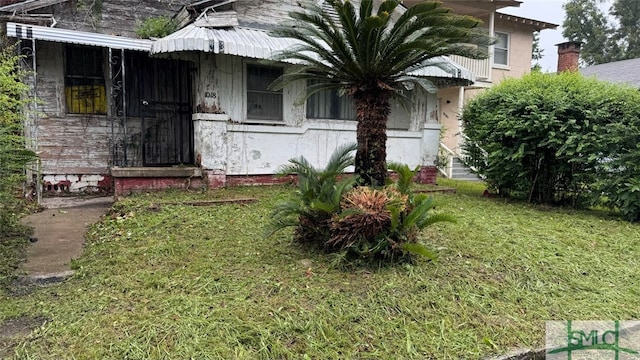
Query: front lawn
x,y
161,280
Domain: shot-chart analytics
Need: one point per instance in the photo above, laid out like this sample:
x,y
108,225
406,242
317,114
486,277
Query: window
x,y
501,49
84,80
327,104
262,103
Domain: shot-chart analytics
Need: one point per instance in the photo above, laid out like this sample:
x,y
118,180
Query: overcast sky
x,y
549,11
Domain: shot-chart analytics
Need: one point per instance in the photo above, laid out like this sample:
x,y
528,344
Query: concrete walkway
x,y
59,231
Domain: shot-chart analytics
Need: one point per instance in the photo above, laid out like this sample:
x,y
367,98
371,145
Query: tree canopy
x,y
606,36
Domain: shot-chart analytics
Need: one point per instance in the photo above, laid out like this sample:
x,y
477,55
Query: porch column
x,y
118,107
27,49
210,146
492,33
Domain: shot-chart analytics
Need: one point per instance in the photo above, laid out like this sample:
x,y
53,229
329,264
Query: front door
x,y
160,97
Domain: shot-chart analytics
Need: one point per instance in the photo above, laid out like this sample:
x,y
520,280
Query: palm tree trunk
x,y
372,112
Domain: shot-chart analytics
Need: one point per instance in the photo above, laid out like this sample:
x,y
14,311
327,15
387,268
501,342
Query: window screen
x,y
262,103
327,104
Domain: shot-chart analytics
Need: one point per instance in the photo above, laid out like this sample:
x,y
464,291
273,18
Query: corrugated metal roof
x,y
24,31
247,42
258,44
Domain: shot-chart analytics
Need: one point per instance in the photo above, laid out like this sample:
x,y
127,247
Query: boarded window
x,y
501,49
84,80
262,103
327,104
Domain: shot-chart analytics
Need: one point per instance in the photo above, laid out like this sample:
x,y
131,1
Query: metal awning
x,y
258,44
247,42
24,31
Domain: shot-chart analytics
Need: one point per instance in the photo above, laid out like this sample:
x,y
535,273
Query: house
x,y
119,113
510,57
621,72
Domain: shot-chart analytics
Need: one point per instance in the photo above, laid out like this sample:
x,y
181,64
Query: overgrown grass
x,y
176,282
13,242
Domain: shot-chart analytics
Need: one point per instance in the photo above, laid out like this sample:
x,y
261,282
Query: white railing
x,y
466,159
447,171
481,68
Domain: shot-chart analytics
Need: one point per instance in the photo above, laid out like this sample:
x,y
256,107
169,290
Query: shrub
x,y
556,139
156,27
363,223
317,198
14,157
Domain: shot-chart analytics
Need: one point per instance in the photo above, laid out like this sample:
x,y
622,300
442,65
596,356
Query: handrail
x,y
464,158
448,170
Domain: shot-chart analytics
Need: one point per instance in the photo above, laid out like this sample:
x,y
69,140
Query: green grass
x,y
176,282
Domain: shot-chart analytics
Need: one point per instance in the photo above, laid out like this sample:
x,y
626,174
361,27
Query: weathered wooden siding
x,y
68,143
115,17
272,12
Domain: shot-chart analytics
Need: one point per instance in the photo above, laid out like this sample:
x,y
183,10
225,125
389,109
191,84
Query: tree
x,y
536,52
587,23
605,37
627,34
368,55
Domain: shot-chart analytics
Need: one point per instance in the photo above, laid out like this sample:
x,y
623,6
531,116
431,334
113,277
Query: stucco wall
x,y
520,44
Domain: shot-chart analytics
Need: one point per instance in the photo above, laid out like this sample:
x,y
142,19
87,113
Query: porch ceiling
x,y
24,31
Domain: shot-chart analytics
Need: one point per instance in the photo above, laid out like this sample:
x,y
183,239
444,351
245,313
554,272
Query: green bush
x,y
156,27
13,155
557,139
362,223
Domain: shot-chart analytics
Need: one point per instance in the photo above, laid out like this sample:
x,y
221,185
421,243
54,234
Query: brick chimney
x,y
568,55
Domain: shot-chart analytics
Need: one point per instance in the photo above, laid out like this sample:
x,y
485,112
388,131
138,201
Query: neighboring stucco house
x,y
193,108
510,58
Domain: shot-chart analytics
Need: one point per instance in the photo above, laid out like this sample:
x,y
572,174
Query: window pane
x,y
500,57
502,40
501,49
262,103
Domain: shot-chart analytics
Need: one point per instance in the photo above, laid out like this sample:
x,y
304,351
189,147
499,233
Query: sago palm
x,y
372,54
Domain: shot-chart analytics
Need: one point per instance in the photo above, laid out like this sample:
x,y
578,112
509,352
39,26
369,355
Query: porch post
x,y
27,49
118,102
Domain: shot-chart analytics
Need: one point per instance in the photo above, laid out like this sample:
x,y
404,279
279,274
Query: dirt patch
x,y
13,331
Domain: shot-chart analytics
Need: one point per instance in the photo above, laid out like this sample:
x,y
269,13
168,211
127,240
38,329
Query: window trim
x,y
507,50
248,118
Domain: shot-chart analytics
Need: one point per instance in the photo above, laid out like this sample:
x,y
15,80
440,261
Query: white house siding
x,y
227,142
250,149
